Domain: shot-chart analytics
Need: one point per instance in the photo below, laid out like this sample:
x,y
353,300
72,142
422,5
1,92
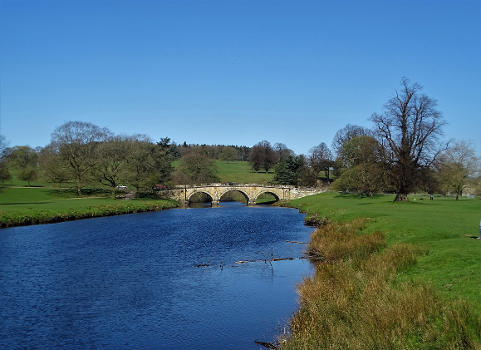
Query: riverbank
x,y
31,206
390,275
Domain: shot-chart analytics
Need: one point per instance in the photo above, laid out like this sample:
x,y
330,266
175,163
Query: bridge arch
x,y
189,197
275,195
246,196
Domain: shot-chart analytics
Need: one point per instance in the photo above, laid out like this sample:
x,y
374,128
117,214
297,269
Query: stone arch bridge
x,y
251,192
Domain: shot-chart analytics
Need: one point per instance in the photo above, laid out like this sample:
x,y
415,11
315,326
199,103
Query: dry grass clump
x,y
315,220
353,302
337,241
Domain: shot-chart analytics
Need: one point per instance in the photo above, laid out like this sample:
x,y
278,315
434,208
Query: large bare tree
x,y
409,128
77,143
321,159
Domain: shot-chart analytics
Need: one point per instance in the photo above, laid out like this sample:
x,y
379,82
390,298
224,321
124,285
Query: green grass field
x,y
451,261
22,206
241,172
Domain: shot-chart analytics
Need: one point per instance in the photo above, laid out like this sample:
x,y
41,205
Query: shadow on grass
x,y
72,192
359,196
22,203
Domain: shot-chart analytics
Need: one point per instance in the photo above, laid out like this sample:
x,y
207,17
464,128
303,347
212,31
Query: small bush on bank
x,y
315,220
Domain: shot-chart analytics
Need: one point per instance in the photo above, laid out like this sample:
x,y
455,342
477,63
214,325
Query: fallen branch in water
x,y
241,262
202,265
279,259
295,242
266,345
268,260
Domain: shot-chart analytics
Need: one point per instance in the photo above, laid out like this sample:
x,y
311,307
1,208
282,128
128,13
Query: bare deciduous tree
x,y
140,167
320,159
282,151
77,142
409,129
346,134
111,161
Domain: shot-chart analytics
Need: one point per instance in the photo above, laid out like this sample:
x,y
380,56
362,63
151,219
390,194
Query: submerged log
x,y
279,259
266,344
241,262
295,242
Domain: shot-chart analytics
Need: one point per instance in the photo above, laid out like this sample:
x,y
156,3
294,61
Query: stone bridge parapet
x,y
251,192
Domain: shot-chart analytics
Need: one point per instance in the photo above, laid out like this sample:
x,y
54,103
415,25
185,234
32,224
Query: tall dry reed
x,y
354,301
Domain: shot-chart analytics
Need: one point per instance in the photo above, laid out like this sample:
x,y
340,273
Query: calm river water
x,y
130,281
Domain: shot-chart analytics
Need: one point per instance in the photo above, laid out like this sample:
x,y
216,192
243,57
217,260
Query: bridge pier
x,y
215,203
251,202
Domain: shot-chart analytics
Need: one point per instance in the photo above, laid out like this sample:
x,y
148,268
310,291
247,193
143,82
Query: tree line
x,y
401,153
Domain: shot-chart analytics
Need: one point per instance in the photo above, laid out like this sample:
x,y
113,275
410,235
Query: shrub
x,y
315,220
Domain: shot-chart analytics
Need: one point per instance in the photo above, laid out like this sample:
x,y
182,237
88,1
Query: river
x,y
133,281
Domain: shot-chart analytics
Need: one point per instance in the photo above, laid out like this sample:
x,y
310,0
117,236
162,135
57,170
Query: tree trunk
x,y
457,196
78,188
401,197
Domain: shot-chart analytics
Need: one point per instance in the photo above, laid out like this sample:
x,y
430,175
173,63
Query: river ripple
x,y
130,281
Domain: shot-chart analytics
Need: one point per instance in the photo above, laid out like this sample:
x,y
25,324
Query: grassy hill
x,y
241,172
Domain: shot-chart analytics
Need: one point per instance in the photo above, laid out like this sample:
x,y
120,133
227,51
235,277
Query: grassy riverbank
x,y
26,206
395,275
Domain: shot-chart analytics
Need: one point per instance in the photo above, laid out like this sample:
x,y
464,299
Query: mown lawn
x,y
451,261
241,172
22,206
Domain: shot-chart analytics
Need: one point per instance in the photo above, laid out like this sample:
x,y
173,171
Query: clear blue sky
x,y
233,71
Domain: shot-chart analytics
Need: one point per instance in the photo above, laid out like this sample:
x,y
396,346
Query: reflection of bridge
x,y
251,192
